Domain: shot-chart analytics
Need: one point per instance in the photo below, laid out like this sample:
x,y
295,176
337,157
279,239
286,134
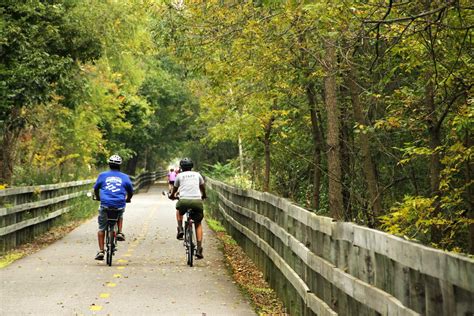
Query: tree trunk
x,y
132,165
266,142
336,206
368,165
435,163
241,156
470,193
6,162
317,145
11,132
346,163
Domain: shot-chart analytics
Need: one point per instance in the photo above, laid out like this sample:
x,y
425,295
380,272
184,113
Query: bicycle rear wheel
x,y
110,245
189,245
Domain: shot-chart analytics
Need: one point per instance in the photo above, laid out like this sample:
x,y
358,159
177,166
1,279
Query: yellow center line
x,y
104,295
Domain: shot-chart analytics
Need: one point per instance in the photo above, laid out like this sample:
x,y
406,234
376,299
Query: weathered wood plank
x,y
15,227
40,188
42,203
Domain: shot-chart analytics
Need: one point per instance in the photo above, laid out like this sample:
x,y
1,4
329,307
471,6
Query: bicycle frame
x,y
111,233
189,237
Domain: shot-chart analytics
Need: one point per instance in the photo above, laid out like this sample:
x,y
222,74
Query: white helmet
x,y
115,159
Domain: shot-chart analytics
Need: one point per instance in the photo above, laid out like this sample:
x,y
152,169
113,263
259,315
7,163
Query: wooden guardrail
x,y
26,212
323,267
144,179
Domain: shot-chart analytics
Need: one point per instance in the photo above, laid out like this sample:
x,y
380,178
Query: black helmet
x,y
186,164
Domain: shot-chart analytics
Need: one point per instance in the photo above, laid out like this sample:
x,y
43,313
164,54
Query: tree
x,y
40,50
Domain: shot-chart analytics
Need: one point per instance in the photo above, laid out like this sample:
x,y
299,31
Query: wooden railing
x,y
144,179
323,267
26,212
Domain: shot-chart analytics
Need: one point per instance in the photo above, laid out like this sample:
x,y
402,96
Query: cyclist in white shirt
x,y
192,191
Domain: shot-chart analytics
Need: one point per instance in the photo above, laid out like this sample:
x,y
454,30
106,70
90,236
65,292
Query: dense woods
x,y
362,110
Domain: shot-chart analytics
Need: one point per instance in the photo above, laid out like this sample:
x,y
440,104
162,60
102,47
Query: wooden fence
x,y
322,267
26,212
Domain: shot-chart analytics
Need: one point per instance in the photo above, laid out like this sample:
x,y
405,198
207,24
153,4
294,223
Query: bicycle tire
x,y
191,246
110,246
187,245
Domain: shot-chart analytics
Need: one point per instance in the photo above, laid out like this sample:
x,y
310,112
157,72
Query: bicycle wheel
x,y
110,245
190,245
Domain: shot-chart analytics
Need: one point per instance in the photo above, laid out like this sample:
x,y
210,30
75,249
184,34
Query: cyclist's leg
x,y
102,221
179,220
197,216
120,235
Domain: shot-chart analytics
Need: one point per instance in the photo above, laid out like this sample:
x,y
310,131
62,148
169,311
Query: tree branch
x,y
410,18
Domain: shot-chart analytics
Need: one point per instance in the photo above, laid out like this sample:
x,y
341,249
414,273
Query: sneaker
x,y
120,237
99,255
199,253
180,234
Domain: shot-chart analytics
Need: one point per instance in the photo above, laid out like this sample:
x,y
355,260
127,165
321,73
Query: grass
x,y
215,225
10,257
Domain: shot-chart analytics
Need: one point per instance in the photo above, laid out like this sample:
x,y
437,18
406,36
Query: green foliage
x,y
416,218
41,45
228,173
215,225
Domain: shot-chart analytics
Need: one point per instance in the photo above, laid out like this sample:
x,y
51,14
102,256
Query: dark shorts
x,y
102,218
196,206
170,182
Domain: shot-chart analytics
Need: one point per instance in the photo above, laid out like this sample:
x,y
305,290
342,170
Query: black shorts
x,y
170,182
196,206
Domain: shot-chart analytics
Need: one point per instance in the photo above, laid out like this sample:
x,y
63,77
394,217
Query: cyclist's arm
x,y
173,194
202,187
97,194
129,196
129,189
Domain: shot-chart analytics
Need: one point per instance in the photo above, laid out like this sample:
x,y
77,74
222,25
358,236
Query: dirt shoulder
x,y
247,275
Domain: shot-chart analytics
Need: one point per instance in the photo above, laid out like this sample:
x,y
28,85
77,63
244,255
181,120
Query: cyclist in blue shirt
x,y
113,189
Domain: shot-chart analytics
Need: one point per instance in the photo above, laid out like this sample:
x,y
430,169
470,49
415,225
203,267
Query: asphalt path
x,y
149,275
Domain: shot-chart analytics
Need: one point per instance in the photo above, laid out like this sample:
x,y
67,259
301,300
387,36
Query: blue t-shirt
x,y
113,186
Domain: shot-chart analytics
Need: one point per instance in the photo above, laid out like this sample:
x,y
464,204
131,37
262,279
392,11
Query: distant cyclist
x,y
171,177
192,191
113,189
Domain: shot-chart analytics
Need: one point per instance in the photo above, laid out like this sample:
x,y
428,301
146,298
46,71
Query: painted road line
x,y
104,295
95,308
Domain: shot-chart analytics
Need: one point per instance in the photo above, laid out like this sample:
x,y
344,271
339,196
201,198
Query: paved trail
x,y
149,275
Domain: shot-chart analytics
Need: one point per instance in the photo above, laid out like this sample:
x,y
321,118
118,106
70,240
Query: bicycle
x,y
189,237
111,230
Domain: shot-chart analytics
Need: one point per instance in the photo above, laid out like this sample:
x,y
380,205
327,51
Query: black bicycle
x,y
189,238
111,230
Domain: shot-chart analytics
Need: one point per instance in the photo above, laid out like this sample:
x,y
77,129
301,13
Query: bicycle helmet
x,y
186,164
115,159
